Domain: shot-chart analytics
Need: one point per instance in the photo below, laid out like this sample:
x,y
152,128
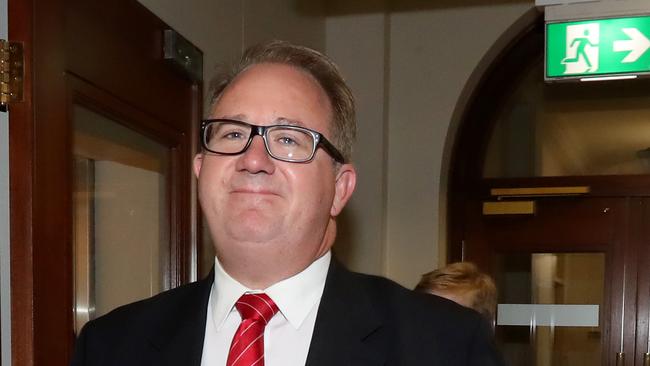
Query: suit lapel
x,y
348,324
179,339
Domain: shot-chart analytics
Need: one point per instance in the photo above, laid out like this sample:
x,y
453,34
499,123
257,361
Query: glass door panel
x,y
121,215
550,307
570,129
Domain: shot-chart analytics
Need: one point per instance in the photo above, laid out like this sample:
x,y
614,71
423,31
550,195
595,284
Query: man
x,y
273,175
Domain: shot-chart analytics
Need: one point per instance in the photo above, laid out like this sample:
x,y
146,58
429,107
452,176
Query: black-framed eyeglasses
x,y
290,143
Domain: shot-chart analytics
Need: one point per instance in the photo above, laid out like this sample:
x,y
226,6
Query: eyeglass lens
x,y
283,142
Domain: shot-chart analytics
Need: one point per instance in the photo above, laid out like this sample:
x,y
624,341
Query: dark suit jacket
x,y
362,320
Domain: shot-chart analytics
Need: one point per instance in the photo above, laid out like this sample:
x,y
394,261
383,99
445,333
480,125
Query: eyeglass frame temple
x,y
260,130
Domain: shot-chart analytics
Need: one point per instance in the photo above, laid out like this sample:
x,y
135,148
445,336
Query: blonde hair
x,y
463,279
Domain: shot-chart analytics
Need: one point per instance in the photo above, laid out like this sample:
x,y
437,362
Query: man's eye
x,y
285,140
234,135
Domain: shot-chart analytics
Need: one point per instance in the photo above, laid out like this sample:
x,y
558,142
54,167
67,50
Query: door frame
x,y
608,234
5,263
41,159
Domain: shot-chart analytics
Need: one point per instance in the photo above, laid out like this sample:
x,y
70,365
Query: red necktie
x,y
247,348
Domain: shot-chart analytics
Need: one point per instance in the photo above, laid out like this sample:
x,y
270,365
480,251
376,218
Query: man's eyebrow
x,y
236,117
287,121
278,121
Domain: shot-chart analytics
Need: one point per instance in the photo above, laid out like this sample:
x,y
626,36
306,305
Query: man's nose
x,y
255,159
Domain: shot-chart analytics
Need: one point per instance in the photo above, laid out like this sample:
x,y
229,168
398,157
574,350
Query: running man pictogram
x,y
581,48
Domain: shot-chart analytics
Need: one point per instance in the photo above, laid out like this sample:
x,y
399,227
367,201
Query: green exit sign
x,y
598,47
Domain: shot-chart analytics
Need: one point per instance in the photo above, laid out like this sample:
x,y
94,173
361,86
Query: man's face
x,y
270,218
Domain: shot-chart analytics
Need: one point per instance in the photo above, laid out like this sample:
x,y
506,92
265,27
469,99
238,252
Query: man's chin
x,y
255,229
253,199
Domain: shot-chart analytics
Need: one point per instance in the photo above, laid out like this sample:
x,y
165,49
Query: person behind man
x,y
463,283
274,173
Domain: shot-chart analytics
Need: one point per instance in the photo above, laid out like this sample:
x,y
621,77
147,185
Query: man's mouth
x,y
248,190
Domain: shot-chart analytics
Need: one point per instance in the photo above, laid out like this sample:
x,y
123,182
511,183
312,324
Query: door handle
x,y
646,359
620,359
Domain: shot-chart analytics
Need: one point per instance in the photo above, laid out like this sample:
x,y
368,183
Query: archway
x,y
548,191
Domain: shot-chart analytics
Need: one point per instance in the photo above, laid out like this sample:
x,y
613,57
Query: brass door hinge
x,y
11,73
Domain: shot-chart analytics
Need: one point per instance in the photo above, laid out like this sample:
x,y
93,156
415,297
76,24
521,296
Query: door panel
x,y
121,209
574,251
641,220
550,308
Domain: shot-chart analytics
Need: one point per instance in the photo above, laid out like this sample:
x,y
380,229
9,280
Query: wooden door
x,y
572,278
642,238
599,237
101,108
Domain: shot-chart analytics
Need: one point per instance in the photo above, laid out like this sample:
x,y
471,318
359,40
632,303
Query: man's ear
x,y
196,164
346,180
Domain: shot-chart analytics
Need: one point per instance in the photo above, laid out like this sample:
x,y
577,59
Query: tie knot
x,y
256,307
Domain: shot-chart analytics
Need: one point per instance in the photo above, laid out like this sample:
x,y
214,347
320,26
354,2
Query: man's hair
x,y
463,279
320,67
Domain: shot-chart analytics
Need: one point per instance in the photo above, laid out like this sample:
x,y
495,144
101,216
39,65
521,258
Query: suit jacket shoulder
x,y
369,320
167,329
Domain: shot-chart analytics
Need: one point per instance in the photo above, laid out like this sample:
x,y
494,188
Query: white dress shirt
x,y
287,336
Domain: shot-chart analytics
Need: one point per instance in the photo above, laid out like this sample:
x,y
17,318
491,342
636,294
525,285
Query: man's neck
x,y
261,276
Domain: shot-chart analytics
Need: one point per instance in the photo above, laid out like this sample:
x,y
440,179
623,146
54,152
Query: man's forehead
x,y
245,118
275,93
269,70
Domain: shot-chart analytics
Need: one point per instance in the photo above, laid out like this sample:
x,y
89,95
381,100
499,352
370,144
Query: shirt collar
x,y
294,296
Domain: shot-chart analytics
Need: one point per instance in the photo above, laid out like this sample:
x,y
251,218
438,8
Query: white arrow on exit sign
x,y
637,45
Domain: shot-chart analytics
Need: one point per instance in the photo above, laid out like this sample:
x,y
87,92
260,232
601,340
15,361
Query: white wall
x,y
222,29
357,45
5,299
297,21
408,69
214,26
433,53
